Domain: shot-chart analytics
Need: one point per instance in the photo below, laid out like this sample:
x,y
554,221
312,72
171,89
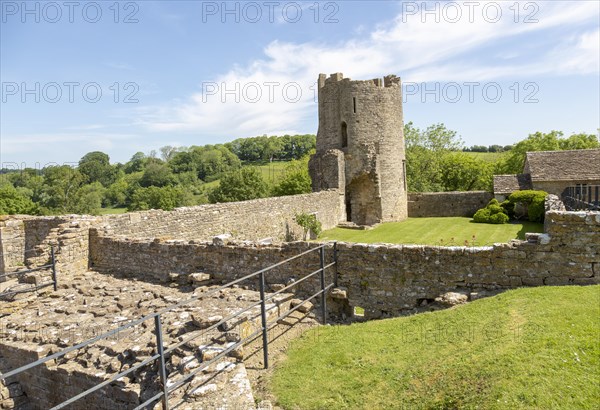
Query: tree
x,y
463,172
95,166
239,185
89,199
424,151
61,184
157,174
153,197
296,179
539,141
13,202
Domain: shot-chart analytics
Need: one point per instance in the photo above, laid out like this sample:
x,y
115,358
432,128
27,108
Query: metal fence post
x,y
323,295
53,268
263,318
161,362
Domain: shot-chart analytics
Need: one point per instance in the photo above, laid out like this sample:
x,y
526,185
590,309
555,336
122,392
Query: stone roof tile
x,y
582,164
506,184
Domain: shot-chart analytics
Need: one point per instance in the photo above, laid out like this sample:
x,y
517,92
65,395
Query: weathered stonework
x,y
248,220
360,147
386,280
443,204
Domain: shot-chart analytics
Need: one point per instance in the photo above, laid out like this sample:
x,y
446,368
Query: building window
x,y
354,104
344,135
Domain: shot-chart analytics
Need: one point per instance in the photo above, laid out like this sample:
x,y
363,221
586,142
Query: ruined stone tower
x,y
360,147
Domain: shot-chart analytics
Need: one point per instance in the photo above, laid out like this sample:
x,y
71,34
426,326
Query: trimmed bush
x,y
498,218
493,213
533,201
482,216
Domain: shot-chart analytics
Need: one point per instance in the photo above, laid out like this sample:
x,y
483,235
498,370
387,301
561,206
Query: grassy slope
x,y
434,231
535,348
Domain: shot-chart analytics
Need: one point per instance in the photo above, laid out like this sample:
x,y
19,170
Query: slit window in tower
x,y
344,135
354,104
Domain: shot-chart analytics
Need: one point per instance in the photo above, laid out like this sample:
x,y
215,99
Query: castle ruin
x,y
360,147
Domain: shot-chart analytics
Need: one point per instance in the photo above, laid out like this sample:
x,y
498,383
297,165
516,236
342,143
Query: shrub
x,y
533,201
498,218
309,223
482,216
493,213
509,208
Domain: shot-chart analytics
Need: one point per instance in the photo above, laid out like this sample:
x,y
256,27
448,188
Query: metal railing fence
x,y
163,351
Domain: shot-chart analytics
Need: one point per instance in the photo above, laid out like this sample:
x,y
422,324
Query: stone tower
x,y
360,147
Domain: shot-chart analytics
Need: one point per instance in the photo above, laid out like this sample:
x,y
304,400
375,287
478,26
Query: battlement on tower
x,y
387,82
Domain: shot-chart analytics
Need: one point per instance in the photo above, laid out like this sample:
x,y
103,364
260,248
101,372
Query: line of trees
x,y
436,161
181,176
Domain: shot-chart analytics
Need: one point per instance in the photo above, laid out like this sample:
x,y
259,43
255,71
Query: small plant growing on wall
x,y
309,223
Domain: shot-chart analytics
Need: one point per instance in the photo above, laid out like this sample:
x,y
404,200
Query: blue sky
x,y
194,73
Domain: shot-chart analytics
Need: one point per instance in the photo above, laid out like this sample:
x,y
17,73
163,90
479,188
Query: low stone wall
x,y
443,204
248,220
386,280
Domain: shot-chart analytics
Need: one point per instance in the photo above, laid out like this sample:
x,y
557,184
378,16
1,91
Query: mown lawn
x,y
530,348
435,231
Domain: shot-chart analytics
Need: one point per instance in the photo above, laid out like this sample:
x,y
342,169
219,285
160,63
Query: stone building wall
x,y
360,147
443,204
558,187
385,280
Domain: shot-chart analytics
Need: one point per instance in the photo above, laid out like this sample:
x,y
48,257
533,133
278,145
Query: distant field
x,y
271,172
111,211
435,231
487,156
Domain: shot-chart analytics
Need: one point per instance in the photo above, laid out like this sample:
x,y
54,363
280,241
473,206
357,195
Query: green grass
x,y
530,348
487,156
112,211
272,172
435,231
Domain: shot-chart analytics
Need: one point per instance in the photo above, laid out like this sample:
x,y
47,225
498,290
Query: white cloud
x,y
417,51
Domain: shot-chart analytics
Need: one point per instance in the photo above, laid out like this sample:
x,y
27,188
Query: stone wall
x,y
558,187
386,280
12,243
442,204
247,220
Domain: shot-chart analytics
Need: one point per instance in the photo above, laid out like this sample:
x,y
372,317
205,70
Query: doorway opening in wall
x,y
348,208
344,134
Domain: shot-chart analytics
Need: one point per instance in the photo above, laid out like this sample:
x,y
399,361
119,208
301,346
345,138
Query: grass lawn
x,y
435,231
530,348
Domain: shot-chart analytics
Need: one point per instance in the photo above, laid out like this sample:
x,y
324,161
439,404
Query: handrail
x,y
51,266
162,352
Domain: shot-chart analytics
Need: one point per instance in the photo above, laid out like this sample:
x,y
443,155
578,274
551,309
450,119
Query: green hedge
x,y
533,200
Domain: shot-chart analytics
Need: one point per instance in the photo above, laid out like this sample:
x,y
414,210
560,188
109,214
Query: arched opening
x,y
344,134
